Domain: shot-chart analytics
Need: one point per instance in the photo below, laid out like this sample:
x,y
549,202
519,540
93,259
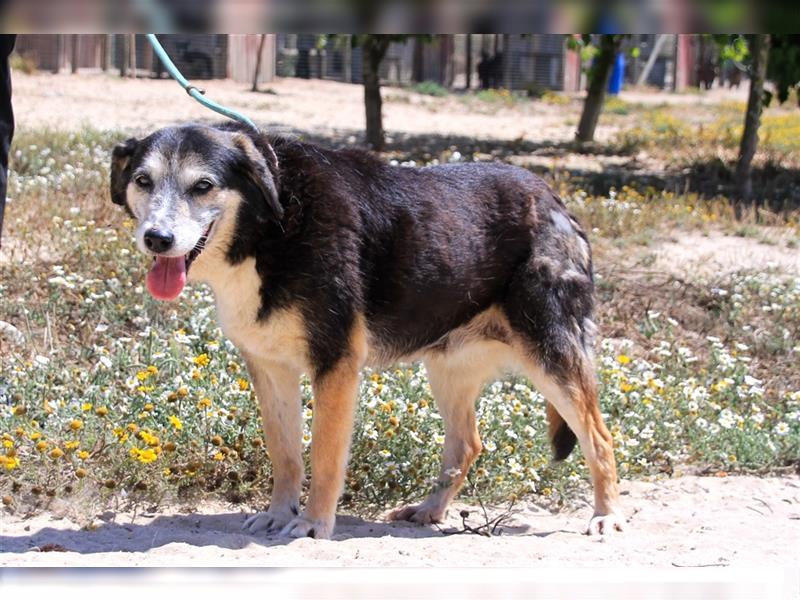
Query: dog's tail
x,y
561,436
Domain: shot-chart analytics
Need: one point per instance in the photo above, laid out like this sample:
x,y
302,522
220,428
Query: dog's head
x,y
184,187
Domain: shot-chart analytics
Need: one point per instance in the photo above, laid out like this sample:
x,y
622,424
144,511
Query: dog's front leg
x,y
335,395
277,387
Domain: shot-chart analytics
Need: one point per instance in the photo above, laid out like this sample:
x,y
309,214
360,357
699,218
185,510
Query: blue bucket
x,y
617,75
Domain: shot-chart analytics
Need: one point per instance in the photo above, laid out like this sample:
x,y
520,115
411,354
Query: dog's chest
x,y
280,337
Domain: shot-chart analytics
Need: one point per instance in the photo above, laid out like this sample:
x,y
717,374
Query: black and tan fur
x,y
323,261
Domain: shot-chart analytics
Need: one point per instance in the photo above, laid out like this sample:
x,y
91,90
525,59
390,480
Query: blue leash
x,y
193,91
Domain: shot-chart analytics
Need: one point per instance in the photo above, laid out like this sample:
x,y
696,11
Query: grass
x,y
114,399
431,88
713,133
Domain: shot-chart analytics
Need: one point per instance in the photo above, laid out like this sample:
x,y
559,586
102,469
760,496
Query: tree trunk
x,y
468,52
598,82
126,55
373,51
752,118
258,61
74,54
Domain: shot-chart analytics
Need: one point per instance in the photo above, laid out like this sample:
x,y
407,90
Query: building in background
x,y
533,62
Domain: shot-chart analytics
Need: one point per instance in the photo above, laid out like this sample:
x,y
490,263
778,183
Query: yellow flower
x,y
86,406
204,403
133,427
623,359
166,472
243,384
152,370
36,435
72,444
146,455
148,407
201,360
142,375
176,422
80,473
41,446
217,440
196,374
76,424
101,411
83,455
183,391
148,438
9,463
56,453
219,456
8,443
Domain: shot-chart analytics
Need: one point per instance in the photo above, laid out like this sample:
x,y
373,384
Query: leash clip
x,y
191,87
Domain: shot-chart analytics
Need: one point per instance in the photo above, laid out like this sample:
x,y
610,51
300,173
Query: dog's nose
x,y
158,241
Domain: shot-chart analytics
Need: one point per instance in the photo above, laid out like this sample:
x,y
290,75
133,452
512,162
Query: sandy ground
x,y
323,107
685,522
295,105
714,253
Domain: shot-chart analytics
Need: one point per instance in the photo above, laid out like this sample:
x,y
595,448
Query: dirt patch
x,y
694,254
324,107
688,521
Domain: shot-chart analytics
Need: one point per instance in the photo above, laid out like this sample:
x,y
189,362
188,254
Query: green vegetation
x,y
431,88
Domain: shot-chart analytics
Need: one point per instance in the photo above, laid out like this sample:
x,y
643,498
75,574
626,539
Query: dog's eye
x,y
143,181
202,186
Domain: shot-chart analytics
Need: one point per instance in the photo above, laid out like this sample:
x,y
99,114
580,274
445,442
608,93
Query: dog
x,y
324,261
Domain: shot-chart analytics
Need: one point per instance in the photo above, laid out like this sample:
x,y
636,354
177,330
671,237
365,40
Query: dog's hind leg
x,y
455,383
574,397
335,394
549,308
277,387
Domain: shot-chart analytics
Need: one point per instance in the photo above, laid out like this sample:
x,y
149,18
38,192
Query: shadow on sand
x,y
220,530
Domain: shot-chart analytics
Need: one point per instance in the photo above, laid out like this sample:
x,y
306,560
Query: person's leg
x,y
6,118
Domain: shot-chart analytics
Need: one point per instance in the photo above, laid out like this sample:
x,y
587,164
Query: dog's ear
x,y
254,167
120,169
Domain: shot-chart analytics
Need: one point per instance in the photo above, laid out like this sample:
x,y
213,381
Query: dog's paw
x,y
271,521
305,526
424,514
605,524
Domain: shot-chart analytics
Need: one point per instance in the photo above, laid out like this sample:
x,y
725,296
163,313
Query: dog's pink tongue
x,y
166,277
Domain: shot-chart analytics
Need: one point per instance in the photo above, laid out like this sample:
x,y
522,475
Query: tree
x,y
258,61
769,58
599,74
752,119
373,51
